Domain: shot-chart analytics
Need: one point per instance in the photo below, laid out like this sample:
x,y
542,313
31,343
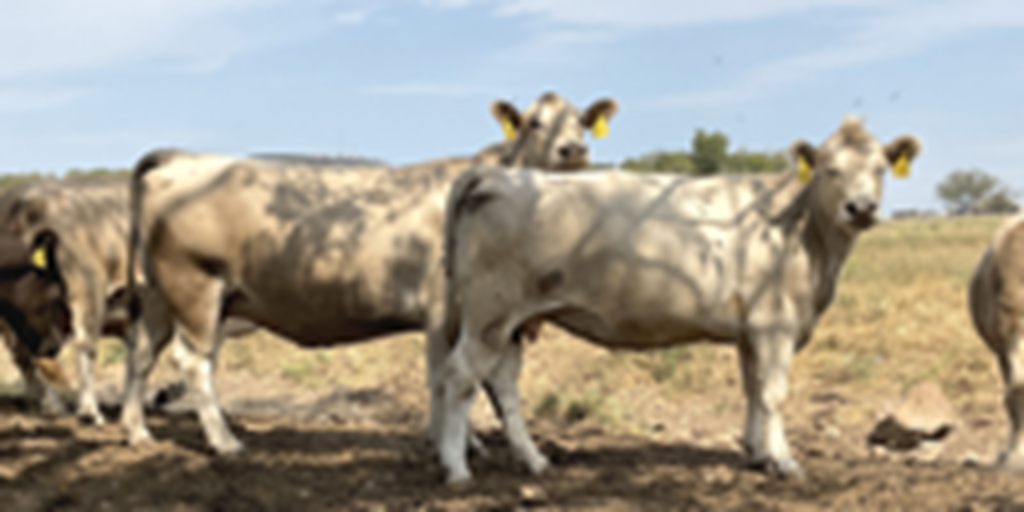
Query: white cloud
x,y
449,4
45,37
664,13
893,32
22,100
356,17
426,89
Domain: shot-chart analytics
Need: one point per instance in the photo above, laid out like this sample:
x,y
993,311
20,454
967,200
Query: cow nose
x,y
572,151
861,208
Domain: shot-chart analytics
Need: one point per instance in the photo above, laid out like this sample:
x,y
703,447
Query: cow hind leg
x,y
437,348
145,340
198,304
1012,365
504,393
461,375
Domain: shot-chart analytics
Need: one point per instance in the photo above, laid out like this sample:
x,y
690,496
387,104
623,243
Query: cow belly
x,y
644,331
319,323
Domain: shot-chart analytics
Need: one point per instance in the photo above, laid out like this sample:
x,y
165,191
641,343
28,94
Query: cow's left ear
x,y
804,156
44,251
900,152
508,117
596,117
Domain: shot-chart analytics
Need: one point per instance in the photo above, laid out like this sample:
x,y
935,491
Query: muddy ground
x,y
362,449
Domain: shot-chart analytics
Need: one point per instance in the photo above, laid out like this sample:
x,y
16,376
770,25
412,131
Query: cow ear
x,y
27,213
804,156
596,117
44,249
900,152
508,117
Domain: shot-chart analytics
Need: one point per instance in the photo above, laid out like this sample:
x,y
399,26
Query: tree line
x,y
962,192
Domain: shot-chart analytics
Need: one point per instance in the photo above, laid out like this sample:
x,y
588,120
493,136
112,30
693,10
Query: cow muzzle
x,y
572,156
861,213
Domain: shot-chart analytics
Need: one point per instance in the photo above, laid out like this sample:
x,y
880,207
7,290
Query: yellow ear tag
x,y
508,129
901,169
803,170
600,128
39,258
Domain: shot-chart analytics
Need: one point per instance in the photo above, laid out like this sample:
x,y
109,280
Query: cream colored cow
x,y
320,256
642,261
997,308
90,217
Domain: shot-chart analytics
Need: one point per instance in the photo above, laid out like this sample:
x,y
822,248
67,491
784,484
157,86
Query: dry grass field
x,y
341,428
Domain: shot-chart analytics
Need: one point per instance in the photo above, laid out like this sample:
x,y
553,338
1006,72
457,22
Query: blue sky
x,y
87,83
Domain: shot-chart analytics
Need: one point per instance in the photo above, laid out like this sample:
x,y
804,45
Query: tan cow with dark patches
x,y
997,308
645,261
317,256
90,217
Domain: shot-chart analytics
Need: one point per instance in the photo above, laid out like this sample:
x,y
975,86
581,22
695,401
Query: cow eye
x,y
534,123
832,172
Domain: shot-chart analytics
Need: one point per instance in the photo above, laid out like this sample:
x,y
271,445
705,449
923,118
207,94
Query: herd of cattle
x,y
475,252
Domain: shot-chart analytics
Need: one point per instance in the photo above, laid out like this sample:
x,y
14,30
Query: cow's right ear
x,y
508,117
25,214
804,156
44,252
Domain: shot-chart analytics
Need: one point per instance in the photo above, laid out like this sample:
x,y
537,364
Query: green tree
x,y
756,162
710,151
974,191
709,154
665,161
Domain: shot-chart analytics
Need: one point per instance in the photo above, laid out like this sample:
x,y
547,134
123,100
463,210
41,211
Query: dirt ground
x,y
342,429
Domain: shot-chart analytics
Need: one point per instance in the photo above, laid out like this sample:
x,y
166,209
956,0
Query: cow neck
x,y
826,246
14,272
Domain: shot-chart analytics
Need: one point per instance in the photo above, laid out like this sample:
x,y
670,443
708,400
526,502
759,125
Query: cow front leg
x,y
39,392
766,363
1012,366
505,399
83,345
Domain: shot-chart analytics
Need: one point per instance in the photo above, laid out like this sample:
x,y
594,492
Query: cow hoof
x,y
91,419
459,479
477,447
539,466
231,448
139,438
785,469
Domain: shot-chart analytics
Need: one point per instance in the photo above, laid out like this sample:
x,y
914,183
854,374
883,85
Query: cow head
x,y
549,134
846,172
32,293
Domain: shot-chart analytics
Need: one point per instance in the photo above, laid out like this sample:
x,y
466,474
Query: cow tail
x,y
463,197
147,163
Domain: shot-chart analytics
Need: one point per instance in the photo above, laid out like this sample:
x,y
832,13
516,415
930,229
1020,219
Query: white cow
x,y
997,308
641,261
